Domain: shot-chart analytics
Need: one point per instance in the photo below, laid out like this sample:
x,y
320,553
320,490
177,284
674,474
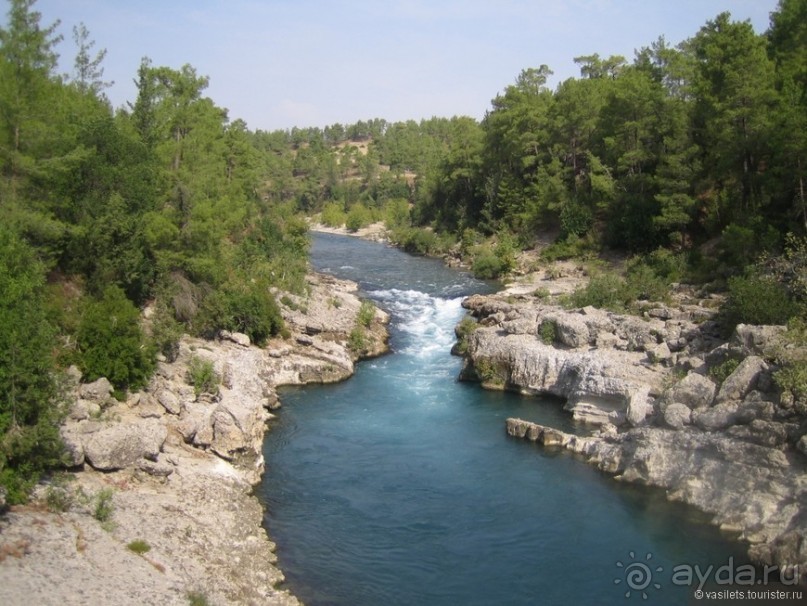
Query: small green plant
x,y
366,314
720,372
466,326
542,293
487,372
548,332
58,498
335,302
289,302
197,598
139,546
104,507
203,376
792,356
357,340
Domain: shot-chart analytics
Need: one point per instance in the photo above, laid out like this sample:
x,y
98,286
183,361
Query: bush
x,y
139,546
333,215
203,376
366,314
111,343
357,340
247,307
606,291
756,300
104,507
166,331
417,241
548,332
396,214
357,217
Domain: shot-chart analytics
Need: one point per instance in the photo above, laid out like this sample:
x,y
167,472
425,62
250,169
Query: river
x,y
400,486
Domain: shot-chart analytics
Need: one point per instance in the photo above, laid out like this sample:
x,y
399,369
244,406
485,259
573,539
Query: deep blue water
x,y
400,485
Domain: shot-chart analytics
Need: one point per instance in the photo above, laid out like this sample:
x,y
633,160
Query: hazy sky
x,y
283,63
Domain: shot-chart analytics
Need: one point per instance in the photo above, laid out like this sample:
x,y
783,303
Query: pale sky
x,y
283,63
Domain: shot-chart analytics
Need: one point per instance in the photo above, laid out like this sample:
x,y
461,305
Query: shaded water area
x,y
400,486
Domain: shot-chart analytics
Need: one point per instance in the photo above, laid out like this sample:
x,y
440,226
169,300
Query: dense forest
x,y
122,228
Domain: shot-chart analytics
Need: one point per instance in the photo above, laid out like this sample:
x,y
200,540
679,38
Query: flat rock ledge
x,y
666,403
158,506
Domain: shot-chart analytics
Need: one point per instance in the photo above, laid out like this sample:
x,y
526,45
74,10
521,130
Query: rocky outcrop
x,y
179,462
669,404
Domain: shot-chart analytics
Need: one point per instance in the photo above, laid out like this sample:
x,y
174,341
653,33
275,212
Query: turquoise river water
x,y
401,487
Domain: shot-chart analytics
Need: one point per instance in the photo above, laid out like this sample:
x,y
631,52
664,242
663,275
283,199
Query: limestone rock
x,y
743,380
639,406
717,417
120,445
802,445
757,340
693,391
169,401
677,415
570,329
97,391
235,337
73,446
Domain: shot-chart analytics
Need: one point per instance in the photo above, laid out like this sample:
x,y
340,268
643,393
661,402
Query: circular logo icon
x,y
638,575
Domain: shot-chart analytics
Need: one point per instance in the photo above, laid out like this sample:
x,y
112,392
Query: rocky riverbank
x,y
668,403
158,508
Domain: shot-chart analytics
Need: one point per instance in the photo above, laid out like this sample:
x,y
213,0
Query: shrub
x,y
548,332
356,341
111,343
462,330
366,314
756,300
488,266
792,376
416,241
139,546
197,598
166,332
104,507
396,213
203,376
333,215
247,307
606,291
721,372
357,217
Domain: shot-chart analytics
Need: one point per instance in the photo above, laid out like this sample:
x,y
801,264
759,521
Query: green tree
x,y
734,106
29,413
87,71
27,61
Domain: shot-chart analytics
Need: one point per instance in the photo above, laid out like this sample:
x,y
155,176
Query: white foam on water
x,y
427,320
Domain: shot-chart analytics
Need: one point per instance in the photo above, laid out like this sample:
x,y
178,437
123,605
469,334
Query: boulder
x,y
756,340
97,391
677,415
73,445
235,337
570,329
743,380
120,445
169,401
718,417
693,391
639,406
